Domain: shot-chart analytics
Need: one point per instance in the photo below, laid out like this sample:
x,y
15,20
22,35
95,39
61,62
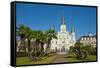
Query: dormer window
x,y
82,38
91,38
87,38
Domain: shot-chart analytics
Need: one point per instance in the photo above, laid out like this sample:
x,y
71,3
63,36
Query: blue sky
x,y
42,17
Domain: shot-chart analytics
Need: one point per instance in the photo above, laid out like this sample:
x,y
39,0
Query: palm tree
x,y
40,38
24,33
37,48
49,35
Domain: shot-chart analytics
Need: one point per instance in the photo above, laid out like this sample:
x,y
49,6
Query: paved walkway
x,y
60,58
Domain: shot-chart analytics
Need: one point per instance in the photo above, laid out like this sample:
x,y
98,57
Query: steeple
x,y
72,29
62,26
63,20
73,34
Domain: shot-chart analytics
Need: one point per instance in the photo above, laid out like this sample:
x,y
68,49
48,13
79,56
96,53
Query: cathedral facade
x,y
64,39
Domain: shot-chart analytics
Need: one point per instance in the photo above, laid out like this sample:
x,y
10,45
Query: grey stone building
x,y
88,40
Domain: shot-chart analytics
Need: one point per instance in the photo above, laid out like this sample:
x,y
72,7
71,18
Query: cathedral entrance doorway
x,y
62,50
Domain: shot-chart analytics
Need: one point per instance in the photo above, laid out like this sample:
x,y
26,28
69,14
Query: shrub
x,y
82,51
21,54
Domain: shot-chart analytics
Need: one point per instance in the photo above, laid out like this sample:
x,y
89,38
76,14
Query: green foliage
x,y
91,50
71,58
21,54
82,51
39,36
23,30
51,34
79,50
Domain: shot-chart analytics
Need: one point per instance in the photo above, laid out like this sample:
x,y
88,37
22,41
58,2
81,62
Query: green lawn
x,y
71,57
27,61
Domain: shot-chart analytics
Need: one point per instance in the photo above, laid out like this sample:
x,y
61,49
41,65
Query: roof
x,y
87,37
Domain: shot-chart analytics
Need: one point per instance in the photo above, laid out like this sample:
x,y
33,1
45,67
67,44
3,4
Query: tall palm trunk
x,y
22,42
28,44
48,47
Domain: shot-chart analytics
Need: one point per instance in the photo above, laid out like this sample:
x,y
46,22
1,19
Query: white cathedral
x,y
64,39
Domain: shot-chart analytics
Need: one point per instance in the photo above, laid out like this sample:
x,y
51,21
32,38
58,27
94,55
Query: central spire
x,y
63,26
62,21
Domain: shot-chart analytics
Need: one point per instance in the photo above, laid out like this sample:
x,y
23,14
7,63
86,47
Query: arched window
x,y
63,41
87,38
56,42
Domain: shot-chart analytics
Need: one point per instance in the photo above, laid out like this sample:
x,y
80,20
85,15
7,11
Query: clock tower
x,y
63,26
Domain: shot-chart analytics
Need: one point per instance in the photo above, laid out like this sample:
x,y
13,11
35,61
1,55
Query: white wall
x,y
5,33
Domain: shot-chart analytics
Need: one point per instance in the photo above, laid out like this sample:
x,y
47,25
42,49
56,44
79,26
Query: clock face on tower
x,y
63,28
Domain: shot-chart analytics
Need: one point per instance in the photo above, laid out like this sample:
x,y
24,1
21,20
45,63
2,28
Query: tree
x,y
79,50
35,48
91,50
23,32
49,35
